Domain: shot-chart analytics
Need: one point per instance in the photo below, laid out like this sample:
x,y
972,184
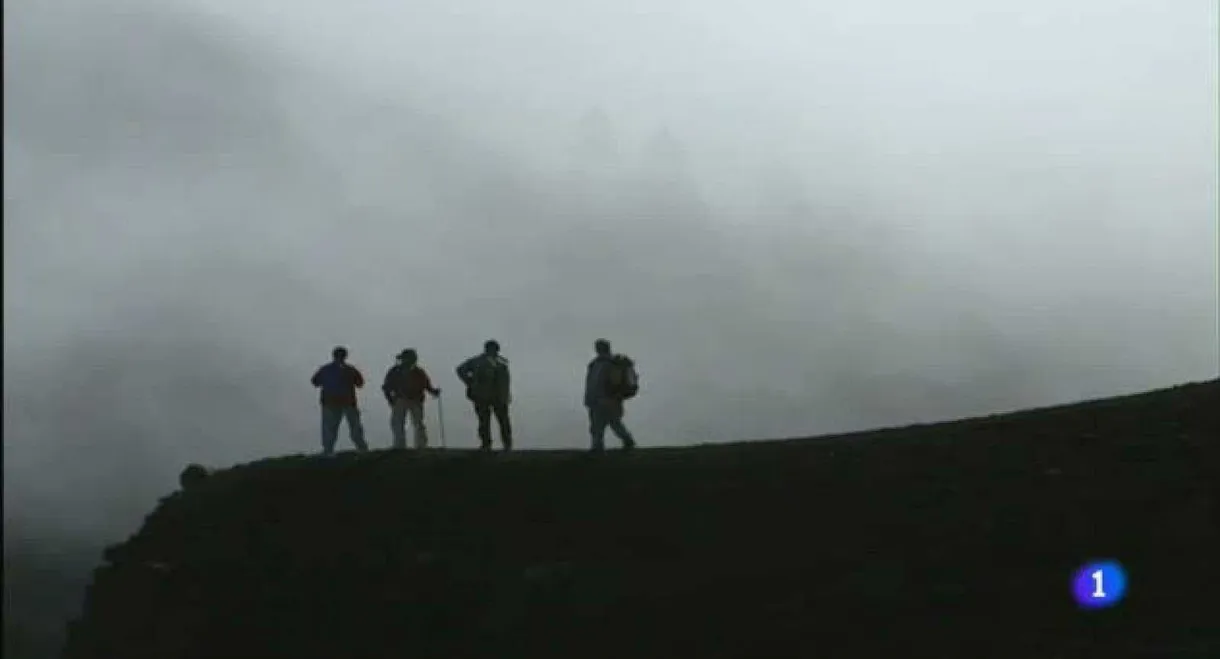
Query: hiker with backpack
x,y
487,386
338,382
610,380
404,387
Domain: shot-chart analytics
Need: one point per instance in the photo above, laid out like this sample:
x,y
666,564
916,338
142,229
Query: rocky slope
x,y
946,540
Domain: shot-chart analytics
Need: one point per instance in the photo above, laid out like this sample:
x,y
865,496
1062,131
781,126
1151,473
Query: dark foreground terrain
x,y
948,540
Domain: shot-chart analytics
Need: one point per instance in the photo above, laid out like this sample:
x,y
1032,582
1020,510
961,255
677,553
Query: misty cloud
x,y
814,219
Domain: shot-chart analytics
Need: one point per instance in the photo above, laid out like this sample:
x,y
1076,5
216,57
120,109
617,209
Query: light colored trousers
x,y
400,410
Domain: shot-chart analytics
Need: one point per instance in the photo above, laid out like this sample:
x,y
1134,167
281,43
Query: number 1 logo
x,y
1098,581
1099,584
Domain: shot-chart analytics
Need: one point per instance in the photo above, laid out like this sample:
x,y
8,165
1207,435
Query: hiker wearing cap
x,y
487,387
609,380
404,388
338,382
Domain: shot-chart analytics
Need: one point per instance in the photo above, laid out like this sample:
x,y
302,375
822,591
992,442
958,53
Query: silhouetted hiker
x,y
338,381
487,386
610,380
404,387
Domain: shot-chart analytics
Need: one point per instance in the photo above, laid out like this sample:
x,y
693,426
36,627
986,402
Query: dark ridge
x,y
948,540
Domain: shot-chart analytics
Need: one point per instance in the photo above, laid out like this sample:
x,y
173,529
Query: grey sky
x,y
798,217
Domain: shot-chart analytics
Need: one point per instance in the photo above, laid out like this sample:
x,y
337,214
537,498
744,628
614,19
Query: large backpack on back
x,y
622,380
487,379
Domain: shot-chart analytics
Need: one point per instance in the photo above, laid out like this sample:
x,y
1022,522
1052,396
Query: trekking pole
x,y
440,416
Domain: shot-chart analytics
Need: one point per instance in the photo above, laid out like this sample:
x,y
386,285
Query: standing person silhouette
x,y
338,382
404,387
487,383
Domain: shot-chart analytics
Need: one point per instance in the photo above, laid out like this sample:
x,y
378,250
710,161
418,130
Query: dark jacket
x,y
338,383
409,382
596,390
486,379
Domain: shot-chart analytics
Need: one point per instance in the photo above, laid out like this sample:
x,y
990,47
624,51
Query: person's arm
x,y
387,386
428,383
508,391
316,380
357,377
589,393
465,371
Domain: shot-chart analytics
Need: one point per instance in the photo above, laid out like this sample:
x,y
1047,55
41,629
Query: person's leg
x,y
506,426
614,420
483,412
398,420
331,418
416,411
355,427
597,428
624,435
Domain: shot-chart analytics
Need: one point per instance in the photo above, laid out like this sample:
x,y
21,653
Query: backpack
x,y
487,378
622,380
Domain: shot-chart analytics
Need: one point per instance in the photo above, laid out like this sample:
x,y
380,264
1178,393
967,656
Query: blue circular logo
x,y
1099,584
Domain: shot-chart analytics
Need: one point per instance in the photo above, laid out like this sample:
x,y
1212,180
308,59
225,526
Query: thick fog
x,y
799,217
